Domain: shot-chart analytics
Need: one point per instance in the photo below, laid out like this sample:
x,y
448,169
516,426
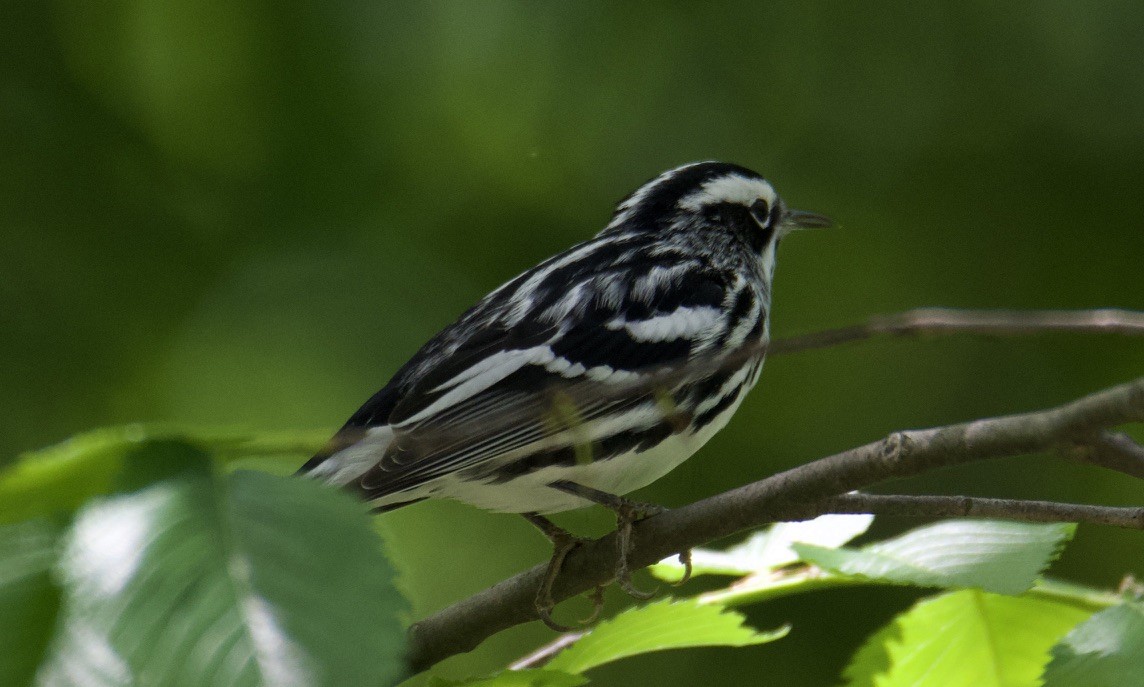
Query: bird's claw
x,y
627,515
562,543
544,602
597,599
685,560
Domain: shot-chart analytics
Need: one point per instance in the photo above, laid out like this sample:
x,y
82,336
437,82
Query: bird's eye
x,y
761,212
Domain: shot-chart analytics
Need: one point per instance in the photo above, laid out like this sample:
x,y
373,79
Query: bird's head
x,y
715,194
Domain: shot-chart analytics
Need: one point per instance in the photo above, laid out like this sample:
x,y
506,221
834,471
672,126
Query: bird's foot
x,y
628,512
563,542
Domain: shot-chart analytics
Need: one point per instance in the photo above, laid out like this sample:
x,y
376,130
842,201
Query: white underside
x,y
619,475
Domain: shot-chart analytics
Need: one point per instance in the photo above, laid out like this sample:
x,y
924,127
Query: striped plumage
x,y
606,365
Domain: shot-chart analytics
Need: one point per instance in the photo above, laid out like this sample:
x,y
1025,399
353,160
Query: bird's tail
x,y
335,465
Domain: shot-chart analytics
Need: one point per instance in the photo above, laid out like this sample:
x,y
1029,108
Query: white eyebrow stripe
x,y
730,188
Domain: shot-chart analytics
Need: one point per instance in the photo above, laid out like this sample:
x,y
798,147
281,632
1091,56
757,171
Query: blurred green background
x,y
245,213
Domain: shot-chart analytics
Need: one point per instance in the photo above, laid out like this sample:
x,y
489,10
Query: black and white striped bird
x,y
590,375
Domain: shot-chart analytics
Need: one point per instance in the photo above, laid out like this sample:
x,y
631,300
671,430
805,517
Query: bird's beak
x,y
800,219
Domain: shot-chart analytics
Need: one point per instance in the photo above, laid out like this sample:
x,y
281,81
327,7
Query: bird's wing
x,y
492,401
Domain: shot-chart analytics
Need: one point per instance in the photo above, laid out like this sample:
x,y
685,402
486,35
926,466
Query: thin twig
x,y
795,494
545,653
923,321
977,507
1112,450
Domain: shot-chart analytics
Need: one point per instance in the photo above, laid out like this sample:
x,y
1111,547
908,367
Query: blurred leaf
x,y
197,579
769,548
658,626
964,639
62,477
1079,595
1107,650
517,678
998,556
29,598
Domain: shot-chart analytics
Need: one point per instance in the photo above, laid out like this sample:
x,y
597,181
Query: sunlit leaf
x,y
998,556
658,626
872,659
1107,650
29,598
768,548
964,639
199,579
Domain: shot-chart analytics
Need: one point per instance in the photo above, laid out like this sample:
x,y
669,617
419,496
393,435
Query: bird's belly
x,y
531,493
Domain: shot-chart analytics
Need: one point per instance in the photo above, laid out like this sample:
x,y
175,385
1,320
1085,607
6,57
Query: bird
x,y
588,376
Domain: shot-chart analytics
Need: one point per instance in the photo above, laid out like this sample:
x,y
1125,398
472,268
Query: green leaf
x,y
61,478
997,556
251,579
964,639
1107,650
29,598
872,658
658,626
769,548
517,678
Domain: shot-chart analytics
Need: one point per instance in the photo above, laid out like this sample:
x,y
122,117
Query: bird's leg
x,y
628,512
563,541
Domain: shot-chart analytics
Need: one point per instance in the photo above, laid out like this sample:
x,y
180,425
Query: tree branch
x,y
922,321
1112,450
976,507
795,494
